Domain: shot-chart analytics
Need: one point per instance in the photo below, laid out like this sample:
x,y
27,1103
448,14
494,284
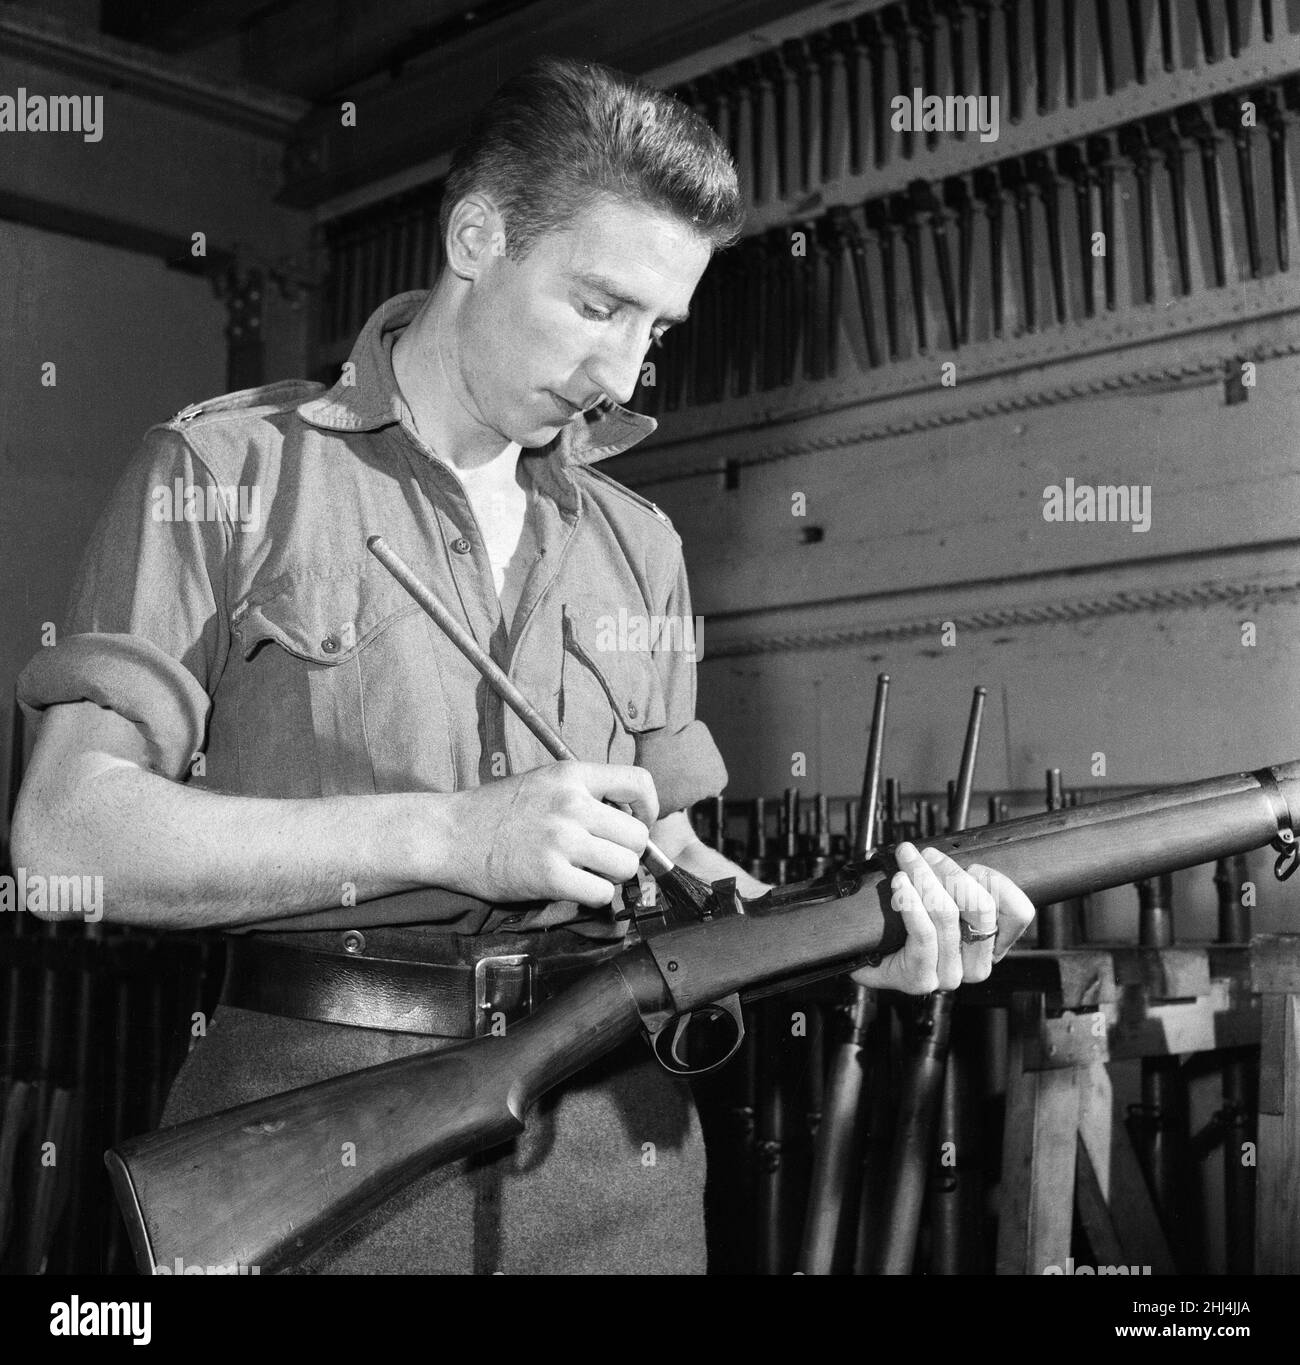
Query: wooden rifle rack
x,y
1073,1013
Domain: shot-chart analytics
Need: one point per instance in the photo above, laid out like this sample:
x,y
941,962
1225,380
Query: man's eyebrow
x,y
608,287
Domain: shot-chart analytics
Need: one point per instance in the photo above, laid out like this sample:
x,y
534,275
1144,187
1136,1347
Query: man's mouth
x,y
569,409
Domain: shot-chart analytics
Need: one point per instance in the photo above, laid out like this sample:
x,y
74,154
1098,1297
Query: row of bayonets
x,y
771,310
782,113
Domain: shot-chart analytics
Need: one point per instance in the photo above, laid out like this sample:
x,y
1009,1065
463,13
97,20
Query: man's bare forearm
x,y
177,857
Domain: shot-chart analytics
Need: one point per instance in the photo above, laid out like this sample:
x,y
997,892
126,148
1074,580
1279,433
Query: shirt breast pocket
x,y
610,691
324,661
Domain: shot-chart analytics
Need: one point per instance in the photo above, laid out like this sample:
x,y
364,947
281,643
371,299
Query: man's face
x,y
551,334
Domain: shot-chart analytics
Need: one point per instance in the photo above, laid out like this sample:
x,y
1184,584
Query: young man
x,y
249,724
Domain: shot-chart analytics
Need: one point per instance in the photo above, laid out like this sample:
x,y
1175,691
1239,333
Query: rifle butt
x,y
266,1183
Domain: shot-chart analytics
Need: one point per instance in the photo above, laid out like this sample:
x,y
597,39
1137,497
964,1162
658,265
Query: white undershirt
x,y
500,507
500,503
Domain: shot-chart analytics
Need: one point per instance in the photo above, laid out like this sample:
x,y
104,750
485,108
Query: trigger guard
x,y
666,1041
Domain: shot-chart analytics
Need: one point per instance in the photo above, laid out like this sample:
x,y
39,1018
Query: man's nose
x,y
616,367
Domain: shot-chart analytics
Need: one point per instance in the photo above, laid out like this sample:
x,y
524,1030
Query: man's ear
x,y
475,236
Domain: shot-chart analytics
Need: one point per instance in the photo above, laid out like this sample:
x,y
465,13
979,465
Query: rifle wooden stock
x,y
264,1184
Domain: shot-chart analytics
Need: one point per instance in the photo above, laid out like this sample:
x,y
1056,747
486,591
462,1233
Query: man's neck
x,y
438,406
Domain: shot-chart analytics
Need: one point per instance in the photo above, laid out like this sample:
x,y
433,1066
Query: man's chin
x,y
540,434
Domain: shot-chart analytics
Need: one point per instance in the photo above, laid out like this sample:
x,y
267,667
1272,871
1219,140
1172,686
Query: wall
x,y
132,342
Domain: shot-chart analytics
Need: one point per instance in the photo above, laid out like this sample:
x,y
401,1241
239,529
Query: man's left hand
x,y
935,897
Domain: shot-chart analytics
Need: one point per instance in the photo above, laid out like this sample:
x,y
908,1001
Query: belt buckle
x,y
502,985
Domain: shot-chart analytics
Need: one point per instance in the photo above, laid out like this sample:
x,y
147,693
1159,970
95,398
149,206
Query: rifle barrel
x,y
1051,857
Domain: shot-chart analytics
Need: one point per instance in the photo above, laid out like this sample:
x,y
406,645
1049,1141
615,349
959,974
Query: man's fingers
x,y
919,955
922,876
974,901
978,913
611,861
936,897
913,968
1014,909
619,782
617,827
942,910
577,884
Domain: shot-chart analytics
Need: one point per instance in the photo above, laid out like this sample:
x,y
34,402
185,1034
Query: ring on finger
x,y
968,935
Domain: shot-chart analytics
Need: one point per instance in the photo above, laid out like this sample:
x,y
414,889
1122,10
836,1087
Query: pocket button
x,y
631,709
330,644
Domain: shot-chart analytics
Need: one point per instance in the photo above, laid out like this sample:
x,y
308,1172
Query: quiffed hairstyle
x,y
562,133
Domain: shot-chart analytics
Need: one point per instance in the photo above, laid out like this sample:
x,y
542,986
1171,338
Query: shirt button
x,y
354,941
330,644
631,709
462,546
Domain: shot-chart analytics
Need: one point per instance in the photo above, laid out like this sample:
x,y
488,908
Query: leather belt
x,y
448,1000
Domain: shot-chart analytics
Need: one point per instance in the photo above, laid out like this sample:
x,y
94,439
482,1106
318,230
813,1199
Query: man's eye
x,y
589,310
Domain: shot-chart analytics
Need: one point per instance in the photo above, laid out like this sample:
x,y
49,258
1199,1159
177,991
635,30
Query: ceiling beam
x,y
180,25
407,121
314,50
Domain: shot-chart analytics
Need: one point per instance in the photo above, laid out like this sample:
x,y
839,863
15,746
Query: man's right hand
x,y
547,834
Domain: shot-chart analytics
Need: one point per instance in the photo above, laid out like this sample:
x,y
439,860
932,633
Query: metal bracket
x,y
1288,854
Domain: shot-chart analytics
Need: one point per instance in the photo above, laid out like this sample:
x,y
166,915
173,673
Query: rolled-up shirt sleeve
x,y
681,756
146,631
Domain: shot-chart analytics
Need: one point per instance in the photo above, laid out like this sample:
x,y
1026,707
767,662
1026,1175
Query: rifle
x,y
262,1184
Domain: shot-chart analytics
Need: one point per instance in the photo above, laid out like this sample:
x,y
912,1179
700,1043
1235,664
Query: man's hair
x,y
562,134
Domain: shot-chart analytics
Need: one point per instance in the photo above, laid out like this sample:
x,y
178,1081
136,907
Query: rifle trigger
x,y
695,1043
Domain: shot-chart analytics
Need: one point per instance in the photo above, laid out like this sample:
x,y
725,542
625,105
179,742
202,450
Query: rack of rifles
x,y
862,1131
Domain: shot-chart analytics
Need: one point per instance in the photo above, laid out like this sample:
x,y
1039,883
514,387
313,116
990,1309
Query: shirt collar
x,y
371,399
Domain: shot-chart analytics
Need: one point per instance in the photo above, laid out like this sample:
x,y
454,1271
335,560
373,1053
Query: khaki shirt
x,y
228,606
